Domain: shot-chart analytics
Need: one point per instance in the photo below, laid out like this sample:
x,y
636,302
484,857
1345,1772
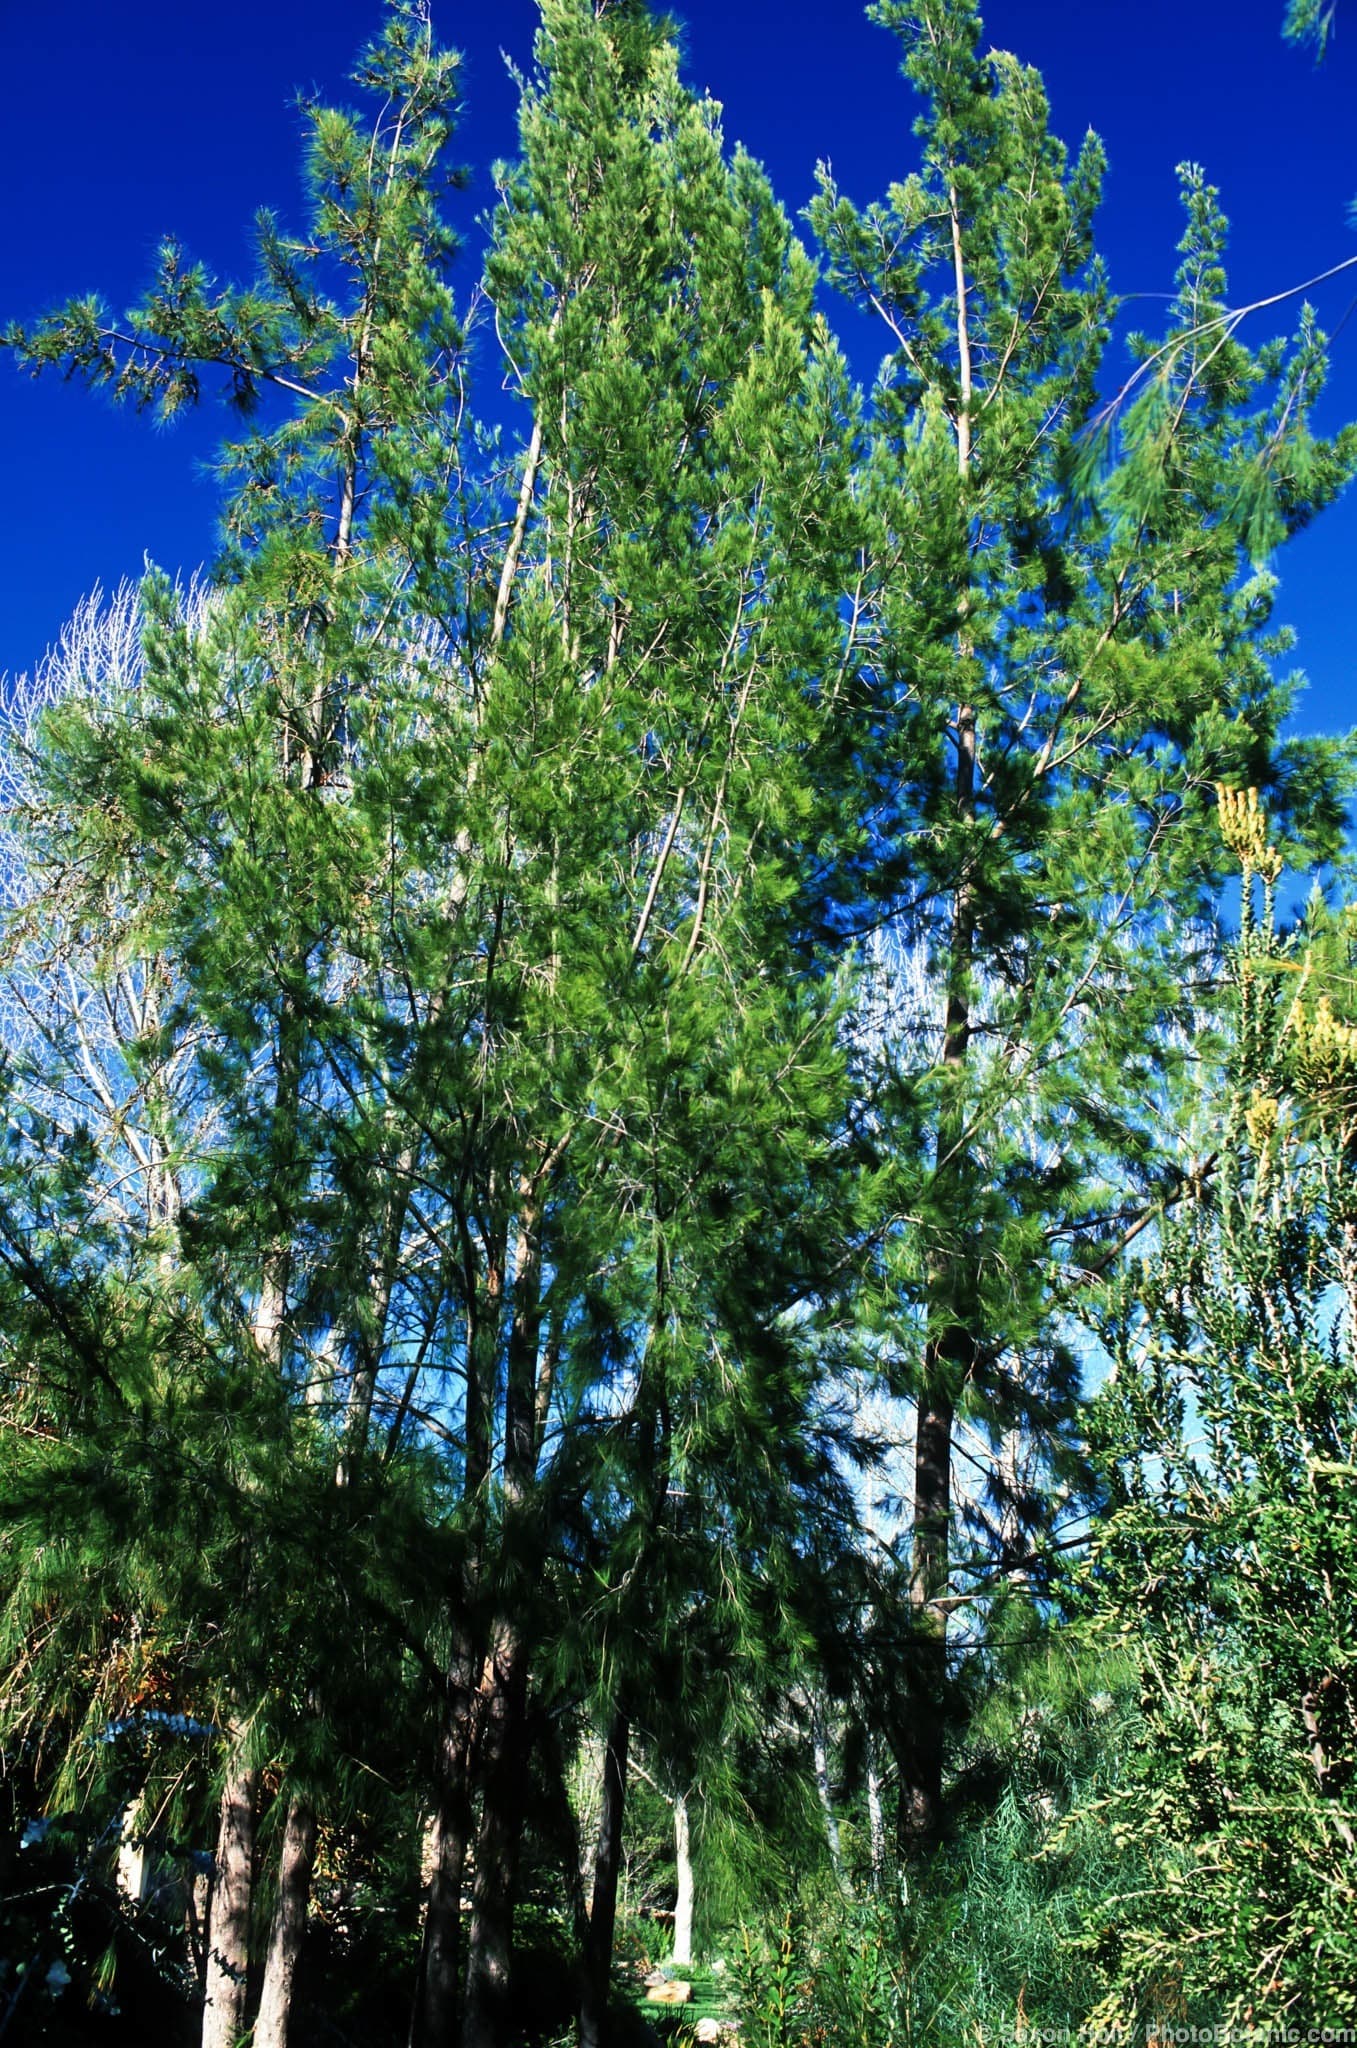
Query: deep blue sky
x,y
123,124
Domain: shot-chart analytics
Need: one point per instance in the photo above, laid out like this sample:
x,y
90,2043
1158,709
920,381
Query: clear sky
x,y
126,123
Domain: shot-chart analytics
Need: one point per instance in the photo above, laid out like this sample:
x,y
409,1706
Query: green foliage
x,y
1066,641
477,841
1310,21
1226,1557
444,1145
1081,580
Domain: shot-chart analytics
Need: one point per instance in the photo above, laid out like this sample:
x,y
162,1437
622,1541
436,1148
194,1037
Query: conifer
x,y
1068,613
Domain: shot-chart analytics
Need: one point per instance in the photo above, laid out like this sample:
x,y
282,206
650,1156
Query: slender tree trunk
x,y
437,2000
948,1354
295,1865
228,1934
598,1958
504,1740
820,1749
547,1747
297,1852
683,1865
876,1826
503,1758
950,1345
371,1321
433,2016
921,1781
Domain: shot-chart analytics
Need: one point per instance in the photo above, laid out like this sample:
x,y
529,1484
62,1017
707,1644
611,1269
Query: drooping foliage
x,y
480,1193
1066,615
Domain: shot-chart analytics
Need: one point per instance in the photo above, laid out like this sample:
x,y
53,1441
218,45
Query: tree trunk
x,y
433,2017
598,1959
503,1757
921,1780
503,1730
683,1863
875,1820
295,1865
228,1945
547,1747
948,1355
820,1749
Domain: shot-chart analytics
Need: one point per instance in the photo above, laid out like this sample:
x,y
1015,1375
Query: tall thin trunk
x,y
876,1825
598,1958
275,1272
547,1747
504,1740
438,1975
371,1322
820,1750
683,1866
295,1865
228,1936
434,2012
948,1354
950,1345
435,2008
963,337
503,1759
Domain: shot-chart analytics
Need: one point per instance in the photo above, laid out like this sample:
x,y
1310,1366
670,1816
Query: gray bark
x,y
683,1862
820,1747
228,1936
295,1865
433,2015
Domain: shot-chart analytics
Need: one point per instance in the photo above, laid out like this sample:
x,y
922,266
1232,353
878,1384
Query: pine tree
x,y
490,843
1062,611
241,798
674,623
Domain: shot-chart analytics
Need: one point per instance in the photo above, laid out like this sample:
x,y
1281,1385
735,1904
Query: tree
x,y
689,462
1059,605
221,777
491,843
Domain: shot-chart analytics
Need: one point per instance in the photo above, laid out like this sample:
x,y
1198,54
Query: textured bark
x,y
503,1758
228,1934
502,1736
875,1818
433,2017
950,1342
683,1864
820,1749
295,1865
551,1759
598,1957
921,1775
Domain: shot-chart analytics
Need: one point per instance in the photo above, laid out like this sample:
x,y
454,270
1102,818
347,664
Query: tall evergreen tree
x,y
250,787
674,624
1062,608
493,842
